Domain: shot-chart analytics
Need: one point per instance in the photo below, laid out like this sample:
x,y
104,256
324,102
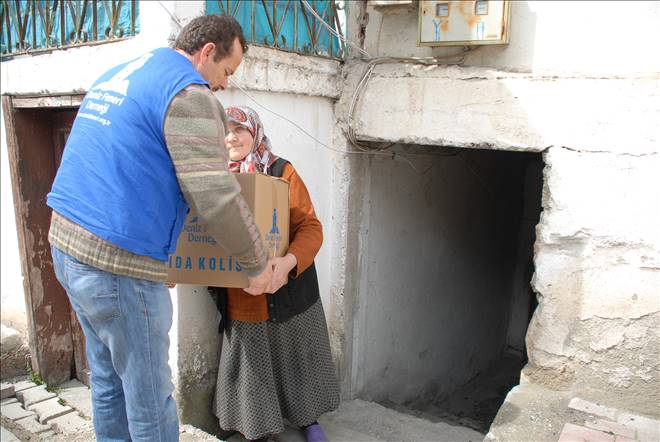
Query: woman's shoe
x,y
314,433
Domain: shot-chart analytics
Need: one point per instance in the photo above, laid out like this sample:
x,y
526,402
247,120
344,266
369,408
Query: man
x,y
147,144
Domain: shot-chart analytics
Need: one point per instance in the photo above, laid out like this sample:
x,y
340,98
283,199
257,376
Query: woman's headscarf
x,y
260,157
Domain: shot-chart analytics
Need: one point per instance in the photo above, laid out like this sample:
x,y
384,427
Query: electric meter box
x,y
463,23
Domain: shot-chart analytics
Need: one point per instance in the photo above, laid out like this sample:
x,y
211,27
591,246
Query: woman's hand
x,y
281,269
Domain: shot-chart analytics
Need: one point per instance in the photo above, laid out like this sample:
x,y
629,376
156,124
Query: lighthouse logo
x,y
274,229
273,238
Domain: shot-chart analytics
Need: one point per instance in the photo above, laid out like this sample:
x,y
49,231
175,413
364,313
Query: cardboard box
x,y
199,259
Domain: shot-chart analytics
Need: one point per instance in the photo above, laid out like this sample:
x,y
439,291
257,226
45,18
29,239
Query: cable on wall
x,y
362,149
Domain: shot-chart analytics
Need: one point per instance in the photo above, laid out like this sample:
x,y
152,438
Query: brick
x,y
576,433
615,428
591,408
47,435
50,409
32,425
24,385
34,395
7,436
11,400
15,411
70,423
78,395
638,422
6,390
647,429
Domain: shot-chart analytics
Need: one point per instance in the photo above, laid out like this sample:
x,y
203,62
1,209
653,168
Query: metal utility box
x,y
463,23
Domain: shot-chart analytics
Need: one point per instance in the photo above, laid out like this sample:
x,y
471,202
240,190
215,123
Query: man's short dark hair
x,y
219,29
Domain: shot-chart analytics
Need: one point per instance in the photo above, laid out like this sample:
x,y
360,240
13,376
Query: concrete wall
x,y
438,268
300,88
588,100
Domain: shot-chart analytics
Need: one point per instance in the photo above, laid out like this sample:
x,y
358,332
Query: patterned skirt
x,y
270,372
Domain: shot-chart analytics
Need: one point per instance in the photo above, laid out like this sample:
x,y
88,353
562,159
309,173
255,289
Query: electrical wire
x,y
172,16
333,31
362,149
321,143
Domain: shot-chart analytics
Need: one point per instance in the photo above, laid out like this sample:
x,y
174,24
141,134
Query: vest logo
x,y
119,82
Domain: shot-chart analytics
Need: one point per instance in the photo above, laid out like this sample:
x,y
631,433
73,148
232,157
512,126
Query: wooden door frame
x,y
50,342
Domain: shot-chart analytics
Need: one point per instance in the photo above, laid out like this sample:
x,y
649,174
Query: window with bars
x,y
29,26
288,25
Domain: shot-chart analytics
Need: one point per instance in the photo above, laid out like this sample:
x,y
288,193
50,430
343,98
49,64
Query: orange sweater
x,y
305,239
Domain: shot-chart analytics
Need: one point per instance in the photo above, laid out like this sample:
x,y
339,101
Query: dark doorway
x,y
448,293
37,129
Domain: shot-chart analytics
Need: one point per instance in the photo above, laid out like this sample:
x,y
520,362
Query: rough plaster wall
x,y
440,261
196,346
480,107
598,276
604,38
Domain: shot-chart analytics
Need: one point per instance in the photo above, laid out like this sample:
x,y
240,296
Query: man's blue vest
x,y
116,178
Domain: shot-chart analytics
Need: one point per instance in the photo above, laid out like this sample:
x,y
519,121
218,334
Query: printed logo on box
x,y
196,232
274,238
205,263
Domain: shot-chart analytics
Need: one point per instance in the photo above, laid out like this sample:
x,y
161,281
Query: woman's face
x,y
238,141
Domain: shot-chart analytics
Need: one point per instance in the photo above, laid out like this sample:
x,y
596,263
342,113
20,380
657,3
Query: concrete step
x,y
7,436
34,395
50,409
77,395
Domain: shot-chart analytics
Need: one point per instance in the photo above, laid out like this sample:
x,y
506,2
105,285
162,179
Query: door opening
x,y
36,130
448,298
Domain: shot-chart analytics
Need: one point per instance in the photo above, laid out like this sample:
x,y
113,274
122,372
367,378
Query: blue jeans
x,y
126,323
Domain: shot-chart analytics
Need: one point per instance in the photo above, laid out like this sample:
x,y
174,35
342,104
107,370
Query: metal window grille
x,y
30,26
286,24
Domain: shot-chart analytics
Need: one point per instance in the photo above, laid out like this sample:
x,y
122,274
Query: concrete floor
x,y
361,421
475,404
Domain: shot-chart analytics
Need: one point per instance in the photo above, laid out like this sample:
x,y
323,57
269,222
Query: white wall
x,y
594,38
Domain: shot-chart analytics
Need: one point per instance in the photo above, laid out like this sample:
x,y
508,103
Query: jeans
x,y
126,323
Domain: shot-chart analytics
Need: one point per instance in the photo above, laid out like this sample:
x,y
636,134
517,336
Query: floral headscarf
x,y
260,157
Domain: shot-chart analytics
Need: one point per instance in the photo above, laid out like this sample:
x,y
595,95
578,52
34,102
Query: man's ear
x,y
208,50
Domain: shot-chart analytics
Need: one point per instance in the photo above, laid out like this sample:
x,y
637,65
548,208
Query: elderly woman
x,y
275,362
